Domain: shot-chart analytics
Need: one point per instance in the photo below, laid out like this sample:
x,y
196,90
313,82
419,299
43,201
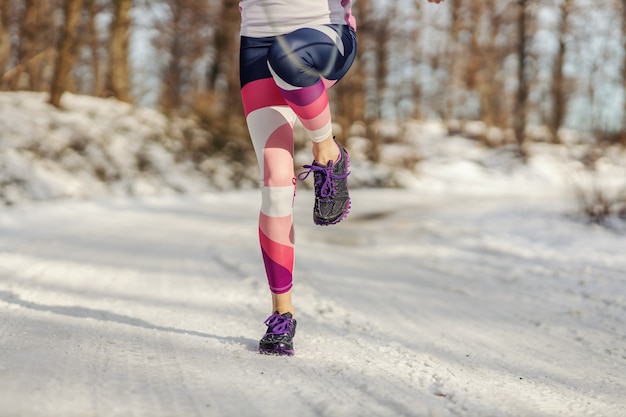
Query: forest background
x,y
521,70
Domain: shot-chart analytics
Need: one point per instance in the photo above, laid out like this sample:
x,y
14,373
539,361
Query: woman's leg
x,y
270,123
303,64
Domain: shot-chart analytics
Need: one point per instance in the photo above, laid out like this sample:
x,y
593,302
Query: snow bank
x,y
101,147
91,148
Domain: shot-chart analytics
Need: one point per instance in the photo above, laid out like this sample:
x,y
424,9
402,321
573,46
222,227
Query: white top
x,y
260,18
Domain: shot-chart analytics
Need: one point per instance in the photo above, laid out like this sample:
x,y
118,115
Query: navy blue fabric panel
x,y
253,59
299,57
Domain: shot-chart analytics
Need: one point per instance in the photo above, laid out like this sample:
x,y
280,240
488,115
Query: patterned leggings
x,y
284,79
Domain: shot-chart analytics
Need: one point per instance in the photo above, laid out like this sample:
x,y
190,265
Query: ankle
x,y
282,309
323,152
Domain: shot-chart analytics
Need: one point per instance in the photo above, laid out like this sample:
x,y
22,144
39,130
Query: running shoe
x,y
278,340
332,199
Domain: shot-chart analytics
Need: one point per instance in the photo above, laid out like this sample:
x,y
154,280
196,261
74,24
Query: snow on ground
x,y
471,292
415,306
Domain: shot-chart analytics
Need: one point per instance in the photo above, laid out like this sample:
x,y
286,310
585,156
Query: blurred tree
x,y
351,97
477,49
5,38
416,53
499,61
66,54
348,96
381,51
521,97
452,58
492,96
221,105
558,89
93,44
223,73
182,40
623,72
36,45
118,72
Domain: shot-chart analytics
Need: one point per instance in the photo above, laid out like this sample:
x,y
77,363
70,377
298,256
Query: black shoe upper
x,y
278,339
332,199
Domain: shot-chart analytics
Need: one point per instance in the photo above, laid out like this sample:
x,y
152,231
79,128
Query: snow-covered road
x,y
414,306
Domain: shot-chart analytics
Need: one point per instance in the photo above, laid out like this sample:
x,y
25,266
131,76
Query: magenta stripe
x,y
305,95
279,278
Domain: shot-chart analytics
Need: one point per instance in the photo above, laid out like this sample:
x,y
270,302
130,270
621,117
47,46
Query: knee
x,y
277,201
279,175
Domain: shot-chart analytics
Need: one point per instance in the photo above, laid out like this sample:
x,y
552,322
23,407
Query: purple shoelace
x,y
279,324
326,184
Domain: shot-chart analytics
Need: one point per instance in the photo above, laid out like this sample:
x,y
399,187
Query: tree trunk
x,y
171,83
558,91
66,52
26,49
490,87
171,95
231,136
381,55
35,40
93,43
521,98
5,40
452,58
624,72
183,38
349,94
226,60
118,74
352,91
417,53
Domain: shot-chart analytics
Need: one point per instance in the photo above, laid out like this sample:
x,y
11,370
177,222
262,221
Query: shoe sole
x,y
277,351
337,220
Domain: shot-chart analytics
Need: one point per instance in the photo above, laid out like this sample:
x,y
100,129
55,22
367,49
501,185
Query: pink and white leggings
x,y
284,79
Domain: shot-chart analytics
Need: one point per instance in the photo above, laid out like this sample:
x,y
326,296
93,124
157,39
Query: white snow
x,y
473,291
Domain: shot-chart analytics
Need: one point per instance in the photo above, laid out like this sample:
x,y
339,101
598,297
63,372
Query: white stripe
x,y
263,122
322,134
277,201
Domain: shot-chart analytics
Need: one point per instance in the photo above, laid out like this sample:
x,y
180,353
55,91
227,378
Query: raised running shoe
x,y
332,199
